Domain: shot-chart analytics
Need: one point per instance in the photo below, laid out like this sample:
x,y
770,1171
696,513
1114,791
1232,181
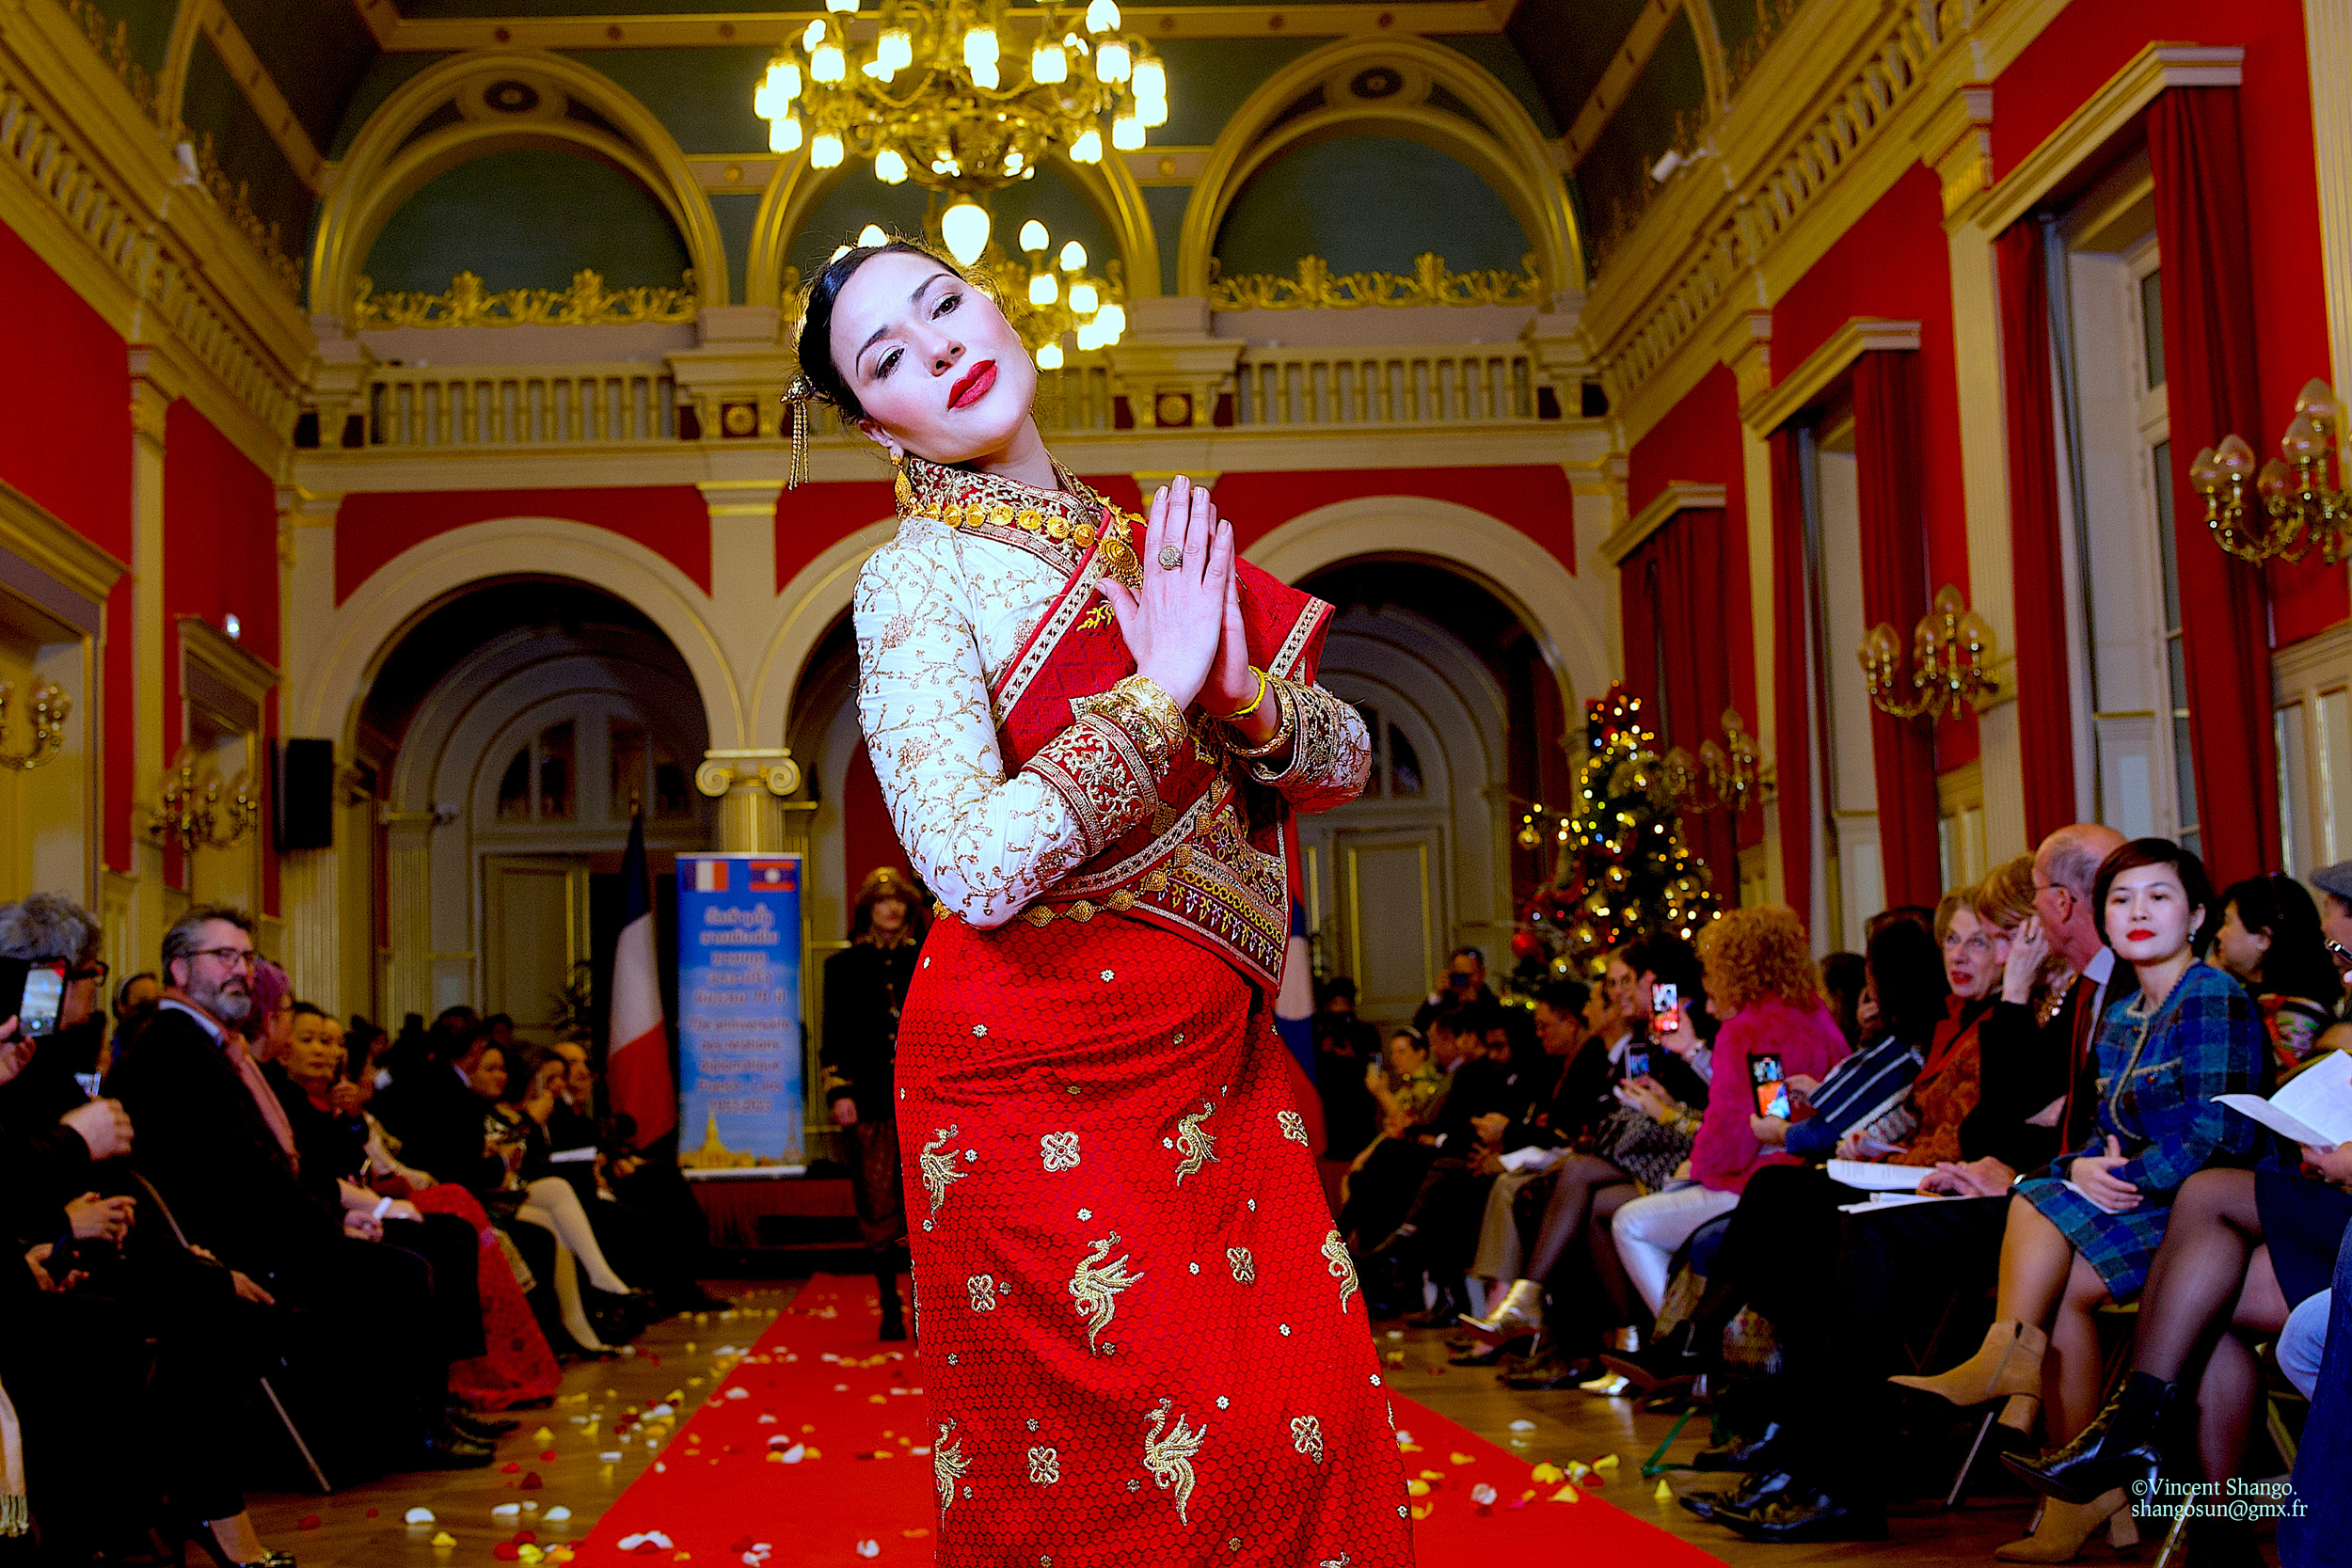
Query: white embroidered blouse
x,y
939,613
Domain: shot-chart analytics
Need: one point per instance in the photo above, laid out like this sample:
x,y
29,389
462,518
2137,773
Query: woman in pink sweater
x,y
1762,981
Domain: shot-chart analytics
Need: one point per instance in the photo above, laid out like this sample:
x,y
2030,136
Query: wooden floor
x,y
362,1528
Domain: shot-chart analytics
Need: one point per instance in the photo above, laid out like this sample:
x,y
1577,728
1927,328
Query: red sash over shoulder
x,y
1208,862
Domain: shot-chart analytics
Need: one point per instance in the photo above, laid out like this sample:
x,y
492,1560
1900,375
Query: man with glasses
x,y
1462,985
2335,912
214,1153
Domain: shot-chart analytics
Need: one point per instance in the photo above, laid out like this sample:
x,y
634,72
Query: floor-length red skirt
x,y
1141,1338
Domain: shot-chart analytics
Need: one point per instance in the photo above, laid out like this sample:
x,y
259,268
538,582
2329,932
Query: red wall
x,y
220,558
867,839
814,517
669,520
2077,52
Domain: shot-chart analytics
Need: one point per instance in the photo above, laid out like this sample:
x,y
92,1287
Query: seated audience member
x,y
2085,1231
1462,985
215,1144
2313,1535
1345,1045
1868,1094
2270,939
435,1111
1403,1083
652,1226
1844,977
269,1027
2335,914
1760,976
1807,1479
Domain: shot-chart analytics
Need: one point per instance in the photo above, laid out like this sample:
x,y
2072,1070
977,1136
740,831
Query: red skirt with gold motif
x,y
1142,1339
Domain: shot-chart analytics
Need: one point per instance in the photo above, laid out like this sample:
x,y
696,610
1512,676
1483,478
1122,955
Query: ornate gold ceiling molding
x,y
209,19
1506,149
467,303
384,167
1316,287
98,196
1836,114
704,30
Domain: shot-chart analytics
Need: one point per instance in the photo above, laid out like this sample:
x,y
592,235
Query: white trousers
x,y
1649,1230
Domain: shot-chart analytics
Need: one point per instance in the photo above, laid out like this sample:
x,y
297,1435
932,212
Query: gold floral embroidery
x,y
1340,1265
948,1464
1059,1151
1044,1466
983,1291
1244,1267
1294,1126
1307,1436
1096,1286
1170,1458
1194,1141
938,1170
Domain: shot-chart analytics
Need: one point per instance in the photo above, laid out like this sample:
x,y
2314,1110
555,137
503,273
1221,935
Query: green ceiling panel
x,y
212,104
1368,203
1616,173
1502,60
146,27
704,96
1569,48
1209,80
528,218
387,76
315,53
735,214
1165,204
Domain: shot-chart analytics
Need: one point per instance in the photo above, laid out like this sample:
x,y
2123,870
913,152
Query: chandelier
x,y
1948,657
1728,777
2303,505
193,813
49,705
1046,296
962,96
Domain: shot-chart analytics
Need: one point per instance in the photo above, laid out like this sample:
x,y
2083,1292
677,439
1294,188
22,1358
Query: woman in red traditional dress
x,y
1142,1337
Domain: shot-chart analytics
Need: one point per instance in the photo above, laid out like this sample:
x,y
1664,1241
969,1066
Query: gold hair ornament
x,y
798,397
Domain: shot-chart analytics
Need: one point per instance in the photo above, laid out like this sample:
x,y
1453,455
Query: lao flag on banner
x,y
1295,1008
637,1061
781,876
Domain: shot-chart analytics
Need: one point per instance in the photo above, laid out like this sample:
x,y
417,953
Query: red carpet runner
x,y
813,1450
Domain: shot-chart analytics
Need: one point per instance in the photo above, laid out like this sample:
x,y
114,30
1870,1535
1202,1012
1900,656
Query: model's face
x,y
2149,917
1974,954
940,371
2241,951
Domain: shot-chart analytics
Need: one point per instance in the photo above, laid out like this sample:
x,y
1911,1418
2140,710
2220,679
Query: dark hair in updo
x,y
816,342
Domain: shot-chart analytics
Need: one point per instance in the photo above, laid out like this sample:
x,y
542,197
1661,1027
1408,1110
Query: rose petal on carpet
x,y
815,1449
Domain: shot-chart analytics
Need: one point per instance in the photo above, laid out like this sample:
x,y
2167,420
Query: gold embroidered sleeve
x,y
1331,753
1108,764
986,844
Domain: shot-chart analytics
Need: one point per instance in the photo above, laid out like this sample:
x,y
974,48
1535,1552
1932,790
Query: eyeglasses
x,y
96,969
229,958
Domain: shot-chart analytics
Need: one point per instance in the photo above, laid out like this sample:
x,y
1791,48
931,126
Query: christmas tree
x,y
1620,870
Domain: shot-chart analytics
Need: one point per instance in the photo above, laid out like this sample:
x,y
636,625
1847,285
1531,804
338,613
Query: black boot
x,y
893,1323
1807,1513
1752,1493
2120,1446
1746,1455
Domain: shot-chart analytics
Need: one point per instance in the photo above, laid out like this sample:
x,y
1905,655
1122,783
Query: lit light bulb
x,y
1088,148
1012,163
1084,299
785,77
1151,79
1049,357
872,235
965,227
1049,64
1088,339
1103,16
898,48
878,70
1111,322
1034,238
1044,288
824,149
813,35
842,7
1126,132
1073,257
826,63
984,75
889,168
765,104
838,252
1111,61
1152,112
784,136
980,47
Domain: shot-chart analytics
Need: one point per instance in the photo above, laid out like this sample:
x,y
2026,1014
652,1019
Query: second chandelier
x,y
962,95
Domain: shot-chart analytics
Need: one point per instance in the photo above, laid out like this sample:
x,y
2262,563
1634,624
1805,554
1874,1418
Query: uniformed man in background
x,y
865,985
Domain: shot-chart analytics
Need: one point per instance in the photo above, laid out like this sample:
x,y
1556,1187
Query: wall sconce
x,y
2304,509
194,814
1731,777
49,707
1948,657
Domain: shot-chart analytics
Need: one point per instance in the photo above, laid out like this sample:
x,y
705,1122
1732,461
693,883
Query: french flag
x,y
711,876
1295,1004
637,1060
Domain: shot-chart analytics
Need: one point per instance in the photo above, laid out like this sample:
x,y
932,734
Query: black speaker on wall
x,y
303,798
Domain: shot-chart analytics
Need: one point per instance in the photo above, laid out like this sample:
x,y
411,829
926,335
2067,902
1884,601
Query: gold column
x,y
2328,45
153,390
408,871
754,787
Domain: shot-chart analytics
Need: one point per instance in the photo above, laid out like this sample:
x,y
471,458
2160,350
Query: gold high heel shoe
x,y
1520,1314
2008,1363
2062,1529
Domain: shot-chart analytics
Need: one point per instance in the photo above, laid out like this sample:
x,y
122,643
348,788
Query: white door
x,y
535,923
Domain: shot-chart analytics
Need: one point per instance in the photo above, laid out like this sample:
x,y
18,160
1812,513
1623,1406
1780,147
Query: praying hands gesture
x,y
1175,624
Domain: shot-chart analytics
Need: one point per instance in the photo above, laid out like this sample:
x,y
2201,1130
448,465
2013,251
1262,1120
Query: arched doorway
x,y
512,730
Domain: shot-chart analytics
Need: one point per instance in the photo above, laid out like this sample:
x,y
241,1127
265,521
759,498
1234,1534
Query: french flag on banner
x,y
637,1061
711,876
1295,1006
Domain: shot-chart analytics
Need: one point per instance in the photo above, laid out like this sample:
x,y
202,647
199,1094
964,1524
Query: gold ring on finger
x,y
1171,557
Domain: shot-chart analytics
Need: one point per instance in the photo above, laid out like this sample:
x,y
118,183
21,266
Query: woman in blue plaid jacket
x,y
2081,1233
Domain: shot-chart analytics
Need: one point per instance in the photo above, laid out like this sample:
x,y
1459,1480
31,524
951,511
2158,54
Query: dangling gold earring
x,y
906,491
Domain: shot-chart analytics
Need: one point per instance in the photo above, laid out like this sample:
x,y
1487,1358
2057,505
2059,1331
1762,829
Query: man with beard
x,y
209,1145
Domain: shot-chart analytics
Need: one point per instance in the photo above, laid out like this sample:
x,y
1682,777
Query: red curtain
x,y
2045,726
1684,591
2198,158
1887,449
1792,706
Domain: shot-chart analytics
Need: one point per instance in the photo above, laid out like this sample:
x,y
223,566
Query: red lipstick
x,y
974,384
2140,933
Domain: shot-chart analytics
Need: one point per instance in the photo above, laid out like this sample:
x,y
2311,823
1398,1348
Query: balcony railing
x,y
477,406
1385,386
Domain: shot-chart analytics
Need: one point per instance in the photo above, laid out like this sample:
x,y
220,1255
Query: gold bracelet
x,y
1254,704
1155,706
1282,729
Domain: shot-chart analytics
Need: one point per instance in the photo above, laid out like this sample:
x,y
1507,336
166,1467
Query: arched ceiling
x,y
276,90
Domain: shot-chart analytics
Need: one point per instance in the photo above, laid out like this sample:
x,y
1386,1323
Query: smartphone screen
x,y
1665,1007
42,998
1637,1061
1772,1092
